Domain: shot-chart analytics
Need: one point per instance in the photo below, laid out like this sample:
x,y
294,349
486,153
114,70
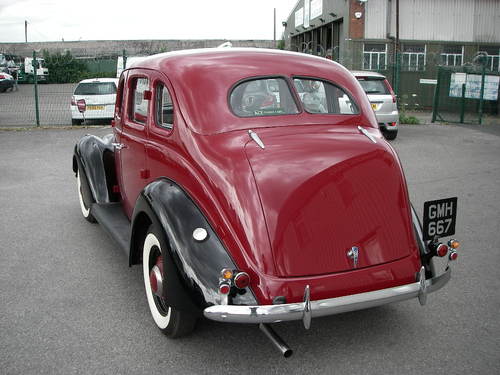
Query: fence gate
x,y
464,93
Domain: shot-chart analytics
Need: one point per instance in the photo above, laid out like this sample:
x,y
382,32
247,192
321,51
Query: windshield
x,y
96,88
374,86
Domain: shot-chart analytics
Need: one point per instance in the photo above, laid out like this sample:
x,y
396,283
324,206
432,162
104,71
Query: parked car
x,y
383,101
6,82
97,100
257,213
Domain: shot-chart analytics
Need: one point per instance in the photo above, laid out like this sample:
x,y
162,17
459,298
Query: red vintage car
x,y
254,186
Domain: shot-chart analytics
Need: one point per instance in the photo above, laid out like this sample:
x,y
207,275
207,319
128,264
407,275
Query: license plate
x,y
95,107
440,217
374,106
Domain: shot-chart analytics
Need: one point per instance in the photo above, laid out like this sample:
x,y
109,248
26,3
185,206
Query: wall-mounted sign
x,y
473,86
316,8
299,17
307,13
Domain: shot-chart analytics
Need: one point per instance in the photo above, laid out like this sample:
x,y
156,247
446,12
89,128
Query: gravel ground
x,y
70,305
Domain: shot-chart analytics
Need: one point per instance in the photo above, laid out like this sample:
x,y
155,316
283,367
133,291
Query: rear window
x,y
374,86
262,97
96,88
323,97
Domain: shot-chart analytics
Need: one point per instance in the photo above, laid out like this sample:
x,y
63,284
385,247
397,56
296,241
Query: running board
x,y
112,218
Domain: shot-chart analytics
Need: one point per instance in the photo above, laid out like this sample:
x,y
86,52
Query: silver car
x,y
383,101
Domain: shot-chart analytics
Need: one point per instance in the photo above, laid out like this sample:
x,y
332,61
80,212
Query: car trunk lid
x,y
324,193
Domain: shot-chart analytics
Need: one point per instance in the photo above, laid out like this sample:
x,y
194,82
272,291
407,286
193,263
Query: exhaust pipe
x,y
276,340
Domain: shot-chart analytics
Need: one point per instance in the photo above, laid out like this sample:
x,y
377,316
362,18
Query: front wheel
x,y
84,206
172,322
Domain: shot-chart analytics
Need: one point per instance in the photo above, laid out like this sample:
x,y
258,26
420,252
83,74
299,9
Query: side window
x,y
164,107
323,97
138,108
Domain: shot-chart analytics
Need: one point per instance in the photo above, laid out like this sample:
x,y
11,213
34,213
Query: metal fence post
x,y
462,104
481,95
435,104
37,110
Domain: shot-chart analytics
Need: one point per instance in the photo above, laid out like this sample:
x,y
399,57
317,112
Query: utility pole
x,y
274,30
398,50
26,31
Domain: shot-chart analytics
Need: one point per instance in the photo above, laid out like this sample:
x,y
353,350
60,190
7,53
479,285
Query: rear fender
x,y
198,264
95,158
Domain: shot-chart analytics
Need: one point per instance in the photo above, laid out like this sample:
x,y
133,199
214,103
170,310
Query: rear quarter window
x,y
262,97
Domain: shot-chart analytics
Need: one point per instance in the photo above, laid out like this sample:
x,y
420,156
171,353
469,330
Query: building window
x,y
452,55
493,57
413,57
374,56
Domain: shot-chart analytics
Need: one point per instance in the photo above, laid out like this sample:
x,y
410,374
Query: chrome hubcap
x,y
156,277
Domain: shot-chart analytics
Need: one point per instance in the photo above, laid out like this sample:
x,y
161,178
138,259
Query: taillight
x,y
73,102
2,76
241,280
390,90
82,106
269,101
454,244
453,255
441,250
224,288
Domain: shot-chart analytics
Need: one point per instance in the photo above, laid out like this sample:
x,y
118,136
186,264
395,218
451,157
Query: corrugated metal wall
x,y
376,19
487,21
436,20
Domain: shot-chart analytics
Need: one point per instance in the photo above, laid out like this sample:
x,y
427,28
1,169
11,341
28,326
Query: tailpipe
x,y
276,340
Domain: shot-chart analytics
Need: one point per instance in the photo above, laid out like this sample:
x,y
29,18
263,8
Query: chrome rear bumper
x,y
311,309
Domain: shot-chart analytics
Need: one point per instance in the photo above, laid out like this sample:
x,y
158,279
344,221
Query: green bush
x,y
412,120
64,68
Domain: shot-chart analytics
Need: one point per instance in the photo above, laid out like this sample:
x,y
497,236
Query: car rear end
x,y
382,100
6,82
98,96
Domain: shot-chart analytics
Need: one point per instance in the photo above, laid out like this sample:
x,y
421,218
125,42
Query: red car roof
x,y
203,79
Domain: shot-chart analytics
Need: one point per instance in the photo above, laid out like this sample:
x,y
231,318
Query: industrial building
x,y
362,34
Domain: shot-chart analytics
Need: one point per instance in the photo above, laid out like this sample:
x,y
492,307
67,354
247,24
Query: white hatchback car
x,y
96,97
383,101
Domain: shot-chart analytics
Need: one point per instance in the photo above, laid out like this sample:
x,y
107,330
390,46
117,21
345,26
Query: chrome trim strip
x,y
422,295
365,132
331,306
255,137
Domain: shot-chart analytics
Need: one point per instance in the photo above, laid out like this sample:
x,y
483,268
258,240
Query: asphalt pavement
x,y
69,304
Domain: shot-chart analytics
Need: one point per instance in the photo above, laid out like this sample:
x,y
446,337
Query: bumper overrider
x,y
312,309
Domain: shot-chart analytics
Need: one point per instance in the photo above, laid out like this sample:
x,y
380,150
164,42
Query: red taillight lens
x,y
82,106
224,288
242,280
390,90
2,76
442,250
453,255
73,102
269,101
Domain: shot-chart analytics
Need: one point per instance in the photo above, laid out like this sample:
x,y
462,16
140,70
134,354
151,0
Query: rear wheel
x,y
84,206
390,135
172,322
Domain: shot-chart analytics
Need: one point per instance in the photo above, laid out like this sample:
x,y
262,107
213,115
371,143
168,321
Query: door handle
x,y
118,146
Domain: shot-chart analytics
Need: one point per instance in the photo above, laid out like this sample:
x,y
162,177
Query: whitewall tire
x,y
84,207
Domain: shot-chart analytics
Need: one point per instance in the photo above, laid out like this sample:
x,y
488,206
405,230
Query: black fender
x,y
95,158
198,264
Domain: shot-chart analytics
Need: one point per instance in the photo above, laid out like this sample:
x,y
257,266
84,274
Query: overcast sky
x,y
53,20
